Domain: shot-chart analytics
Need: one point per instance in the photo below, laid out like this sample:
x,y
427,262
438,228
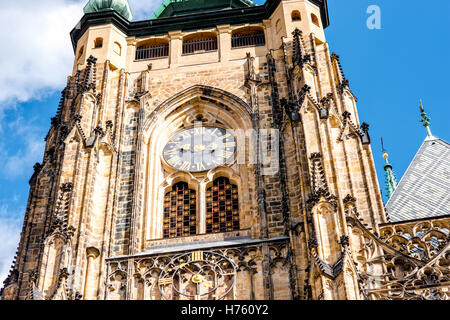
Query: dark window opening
x,y
98,43
296,16
199,45
180,212
152,51
222,207
315,20
248,39
80,53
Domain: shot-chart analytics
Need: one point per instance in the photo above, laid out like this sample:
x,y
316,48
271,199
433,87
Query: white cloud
x,y
24,158
35,60
29,147
37,55
10,228
143,9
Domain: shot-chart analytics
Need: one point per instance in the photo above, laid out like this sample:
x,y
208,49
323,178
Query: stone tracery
x,y
98,201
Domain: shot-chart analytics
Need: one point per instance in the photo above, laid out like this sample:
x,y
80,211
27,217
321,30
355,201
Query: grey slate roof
x,y
424,190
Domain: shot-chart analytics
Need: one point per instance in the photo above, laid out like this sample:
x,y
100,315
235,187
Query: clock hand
x,y
212,147
184,266
199,147
186,147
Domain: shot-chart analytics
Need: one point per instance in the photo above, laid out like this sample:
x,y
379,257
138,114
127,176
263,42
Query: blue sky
x,y
392,68
389,71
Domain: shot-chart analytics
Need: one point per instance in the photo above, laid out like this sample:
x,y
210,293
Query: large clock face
x,y
199,149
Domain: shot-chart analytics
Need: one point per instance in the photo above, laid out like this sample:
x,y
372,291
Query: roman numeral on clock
x,y
212,132
226,136
197,255
174,161
170,152
229,144
199,131
200,167
185,166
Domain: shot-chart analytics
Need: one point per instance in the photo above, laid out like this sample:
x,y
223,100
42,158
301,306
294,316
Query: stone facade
x,y
314,228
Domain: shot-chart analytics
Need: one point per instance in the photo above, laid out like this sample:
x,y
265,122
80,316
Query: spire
x,y
425,120
391,181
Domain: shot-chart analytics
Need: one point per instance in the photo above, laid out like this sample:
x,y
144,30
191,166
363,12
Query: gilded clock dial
x,y
199,149
199,275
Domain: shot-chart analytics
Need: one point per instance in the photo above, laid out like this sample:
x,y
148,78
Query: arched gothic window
x,y
248,37
200,42
295,15
180,211
80,52
117,48
315,20
98,43
222,207
278,26
150,50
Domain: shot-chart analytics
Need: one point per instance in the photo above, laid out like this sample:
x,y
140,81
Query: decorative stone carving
x,y
407,261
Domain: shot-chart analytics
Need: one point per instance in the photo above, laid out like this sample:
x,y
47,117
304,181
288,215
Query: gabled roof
x,y
170,8
424,190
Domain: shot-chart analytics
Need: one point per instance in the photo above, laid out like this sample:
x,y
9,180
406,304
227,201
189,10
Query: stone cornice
x,y
196,21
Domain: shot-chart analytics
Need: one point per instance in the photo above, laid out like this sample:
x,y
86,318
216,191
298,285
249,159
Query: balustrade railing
x,y
192,46
150,52
200,45
248,40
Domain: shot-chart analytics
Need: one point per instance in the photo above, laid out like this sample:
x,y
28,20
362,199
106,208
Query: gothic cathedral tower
x,y
211,152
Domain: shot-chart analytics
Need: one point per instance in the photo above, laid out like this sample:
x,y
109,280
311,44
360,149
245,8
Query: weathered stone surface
x,y
100,240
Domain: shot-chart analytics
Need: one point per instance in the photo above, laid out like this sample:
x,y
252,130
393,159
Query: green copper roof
x,y
170,8
391,180
121,6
